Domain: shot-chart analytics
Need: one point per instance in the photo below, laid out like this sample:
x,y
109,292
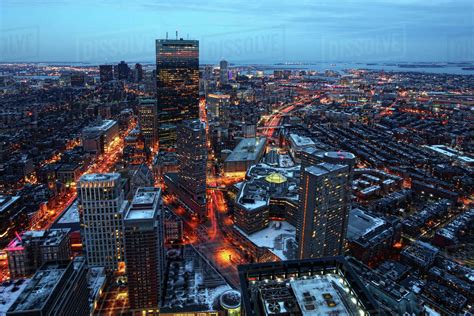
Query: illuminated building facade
x,y
144,249
177,86
97,137
101,206
192,162
148,120
324,210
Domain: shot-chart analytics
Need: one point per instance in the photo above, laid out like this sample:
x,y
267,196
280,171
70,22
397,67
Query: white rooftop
x,y
322,295
100,177
144,204
71,215
273,237
9,293
362,223
323,168
300,141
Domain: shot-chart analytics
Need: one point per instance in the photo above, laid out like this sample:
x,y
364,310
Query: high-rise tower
x,y
148,119
324,210
144,250
223,72
177,86
101,205
192,160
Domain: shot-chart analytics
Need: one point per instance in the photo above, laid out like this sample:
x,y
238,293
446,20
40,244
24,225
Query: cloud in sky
x,y
246,31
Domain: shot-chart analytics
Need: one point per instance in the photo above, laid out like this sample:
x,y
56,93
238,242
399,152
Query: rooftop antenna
x,y
176,34
166,35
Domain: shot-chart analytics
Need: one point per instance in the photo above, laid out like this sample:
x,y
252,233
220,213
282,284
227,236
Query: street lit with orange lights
x,y
103,163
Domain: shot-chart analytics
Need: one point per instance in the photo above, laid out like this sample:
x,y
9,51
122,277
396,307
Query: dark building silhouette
x,y
123,70
106,73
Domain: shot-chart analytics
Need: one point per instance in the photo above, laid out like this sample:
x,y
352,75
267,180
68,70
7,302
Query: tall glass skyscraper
x,y
177,86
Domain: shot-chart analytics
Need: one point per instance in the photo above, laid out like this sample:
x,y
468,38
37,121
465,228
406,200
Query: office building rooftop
x,y
324,286
247,149
144,204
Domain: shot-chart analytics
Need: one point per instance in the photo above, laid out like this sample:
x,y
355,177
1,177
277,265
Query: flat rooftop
x,y
343,155
100,127
323,168
144,204
9,292
362,223
274,237
323,295
301,140
38,290
322,286
92,177
51,237
248,149
6,201
71,215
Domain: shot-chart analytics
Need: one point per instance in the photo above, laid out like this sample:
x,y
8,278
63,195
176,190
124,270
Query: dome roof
x,y
275,177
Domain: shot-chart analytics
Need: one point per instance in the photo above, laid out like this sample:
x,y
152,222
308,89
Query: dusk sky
x,y
239,31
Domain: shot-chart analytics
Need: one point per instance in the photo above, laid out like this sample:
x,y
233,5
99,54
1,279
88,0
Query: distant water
x,y
455,69
439,68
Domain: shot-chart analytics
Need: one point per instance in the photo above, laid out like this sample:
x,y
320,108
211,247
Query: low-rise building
x,y
99,136
248,152
26,253
58,288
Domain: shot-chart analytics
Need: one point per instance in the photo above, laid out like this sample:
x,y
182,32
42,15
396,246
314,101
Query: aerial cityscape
x,y
231,174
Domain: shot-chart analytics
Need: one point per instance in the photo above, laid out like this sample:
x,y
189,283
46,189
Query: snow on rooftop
x,y
71,215
273,237
100,177
323,168
9,292
285,161
140,214
322,295
301,140
39,289
362,223
144,204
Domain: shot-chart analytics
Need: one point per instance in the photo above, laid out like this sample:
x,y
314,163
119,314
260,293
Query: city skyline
x,y
371,31
305,158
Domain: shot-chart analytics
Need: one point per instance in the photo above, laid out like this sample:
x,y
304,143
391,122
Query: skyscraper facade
x,y
177,86
138,73
323,210
106,73
223,72
123,70
192,161
148,120
101,206
144,256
